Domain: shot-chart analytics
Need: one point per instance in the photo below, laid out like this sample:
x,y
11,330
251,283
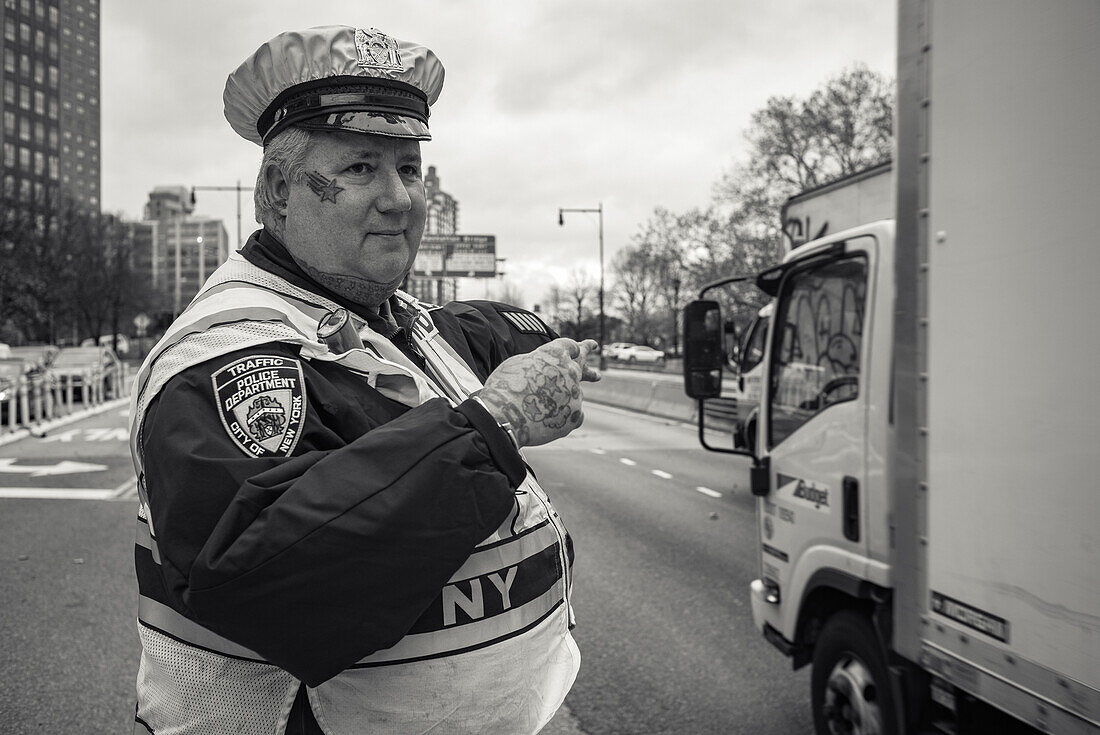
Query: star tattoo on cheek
x,y
327,189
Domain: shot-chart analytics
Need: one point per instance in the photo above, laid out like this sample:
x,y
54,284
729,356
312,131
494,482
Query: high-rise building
x,y
442,207
175,250
50,104
442,219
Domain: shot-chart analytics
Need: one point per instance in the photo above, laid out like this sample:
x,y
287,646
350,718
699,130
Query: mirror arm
x,y
701,420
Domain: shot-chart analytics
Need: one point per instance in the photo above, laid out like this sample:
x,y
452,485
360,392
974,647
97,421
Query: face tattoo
x,y
360,290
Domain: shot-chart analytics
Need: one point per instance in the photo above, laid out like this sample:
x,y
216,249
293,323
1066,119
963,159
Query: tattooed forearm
x,y
327,189
539,393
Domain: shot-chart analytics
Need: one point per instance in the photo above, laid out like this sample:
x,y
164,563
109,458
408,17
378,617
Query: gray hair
x,y
287,150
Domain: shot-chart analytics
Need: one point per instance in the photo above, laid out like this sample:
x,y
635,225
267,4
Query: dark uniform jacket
x,y
374,509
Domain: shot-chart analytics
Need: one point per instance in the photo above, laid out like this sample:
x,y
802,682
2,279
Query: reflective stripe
x,y
508,552
144,538
469,636
171,623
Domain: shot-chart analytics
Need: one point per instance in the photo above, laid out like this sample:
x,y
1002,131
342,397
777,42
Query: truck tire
x,y
850,683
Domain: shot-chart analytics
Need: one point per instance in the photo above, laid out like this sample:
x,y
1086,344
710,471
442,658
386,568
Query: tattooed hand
x,y
539,393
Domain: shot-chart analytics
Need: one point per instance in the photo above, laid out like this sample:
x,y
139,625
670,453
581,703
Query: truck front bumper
x,y
765,600
765,616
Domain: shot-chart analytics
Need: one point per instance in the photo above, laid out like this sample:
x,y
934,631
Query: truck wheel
x,y
850,684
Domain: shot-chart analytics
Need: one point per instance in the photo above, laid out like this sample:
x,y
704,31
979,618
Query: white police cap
x,y
334,78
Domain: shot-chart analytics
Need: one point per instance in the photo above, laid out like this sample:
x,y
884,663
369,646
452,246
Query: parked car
x,y
615,348
98,362
641,353
17,372
11,376
40,356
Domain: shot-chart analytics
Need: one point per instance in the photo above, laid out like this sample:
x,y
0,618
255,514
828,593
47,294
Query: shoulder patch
x,y
525,322
262,403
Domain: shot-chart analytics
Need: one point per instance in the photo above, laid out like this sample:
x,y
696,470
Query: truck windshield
x,y
820,315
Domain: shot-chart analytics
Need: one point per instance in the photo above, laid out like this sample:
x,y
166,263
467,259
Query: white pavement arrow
x,y
64,467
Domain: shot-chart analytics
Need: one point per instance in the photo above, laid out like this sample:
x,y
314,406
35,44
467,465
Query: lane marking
x,y
57,493
598,451
708,491
64,467
662,474
125,490
627,462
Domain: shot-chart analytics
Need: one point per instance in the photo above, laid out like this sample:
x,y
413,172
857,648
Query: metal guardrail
x,y
721,411
51,396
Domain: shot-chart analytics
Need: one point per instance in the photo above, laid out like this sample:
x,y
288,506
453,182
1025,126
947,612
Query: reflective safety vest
x,y
505,671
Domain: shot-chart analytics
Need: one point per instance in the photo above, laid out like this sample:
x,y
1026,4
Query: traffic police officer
x,y
337,531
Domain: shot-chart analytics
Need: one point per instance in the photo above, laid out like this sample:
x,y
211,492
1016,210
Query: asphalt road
x,y
665,552
661,592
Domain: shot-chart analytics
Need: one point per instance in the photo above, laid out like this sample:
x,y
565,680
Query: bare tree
x,y
108,289
554,300
578,290
635,291
797,144
794,144
509,293
63,268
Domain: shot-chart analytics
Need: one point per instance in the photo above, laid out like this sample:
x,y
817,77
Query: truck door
x,y
814,424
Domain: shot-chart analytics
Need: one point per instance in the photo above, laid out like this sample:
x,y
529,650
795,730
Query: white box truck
x,y
862,197
928,510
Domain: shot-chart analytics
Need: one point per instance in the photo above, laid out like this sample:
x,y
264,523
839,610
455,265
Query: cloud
x,y
634,104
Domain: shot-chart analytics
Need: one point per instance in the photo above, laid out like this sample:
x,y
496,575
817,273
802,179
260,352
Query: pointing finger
x,y
589,374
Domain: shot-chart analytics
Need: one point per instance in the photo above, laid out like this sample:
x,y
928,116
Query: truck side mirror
x,y
703,350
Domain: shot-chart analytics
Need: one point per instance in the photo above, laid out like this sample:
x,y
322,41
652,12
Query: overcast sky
x,y
567,103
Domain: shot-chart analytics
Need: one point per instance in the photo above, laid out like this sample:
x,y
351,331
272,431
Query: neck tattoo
x,y
361,291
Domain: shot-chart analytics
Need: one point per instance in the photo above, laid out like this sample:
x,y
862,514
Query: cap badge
x,y
377,50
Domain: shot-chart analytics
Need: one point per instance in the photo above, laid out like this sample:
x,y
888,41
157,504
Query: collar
x,y
266,251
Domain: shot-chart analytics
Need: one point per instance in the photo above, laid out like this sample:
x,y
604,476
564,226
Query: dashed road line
x,y
660,473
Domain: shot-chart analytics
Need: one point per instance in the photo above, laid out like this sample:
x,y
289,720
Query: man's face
x,y
355,220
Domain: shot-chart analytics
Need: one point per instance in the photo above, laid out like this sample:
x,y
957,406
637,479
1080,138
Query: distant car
x,y
108,341
641,353
615,348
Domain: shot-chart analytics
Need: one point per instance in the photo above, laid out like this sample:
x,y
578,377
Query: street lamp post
x,y
561,223
176,291
238,188
675,316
